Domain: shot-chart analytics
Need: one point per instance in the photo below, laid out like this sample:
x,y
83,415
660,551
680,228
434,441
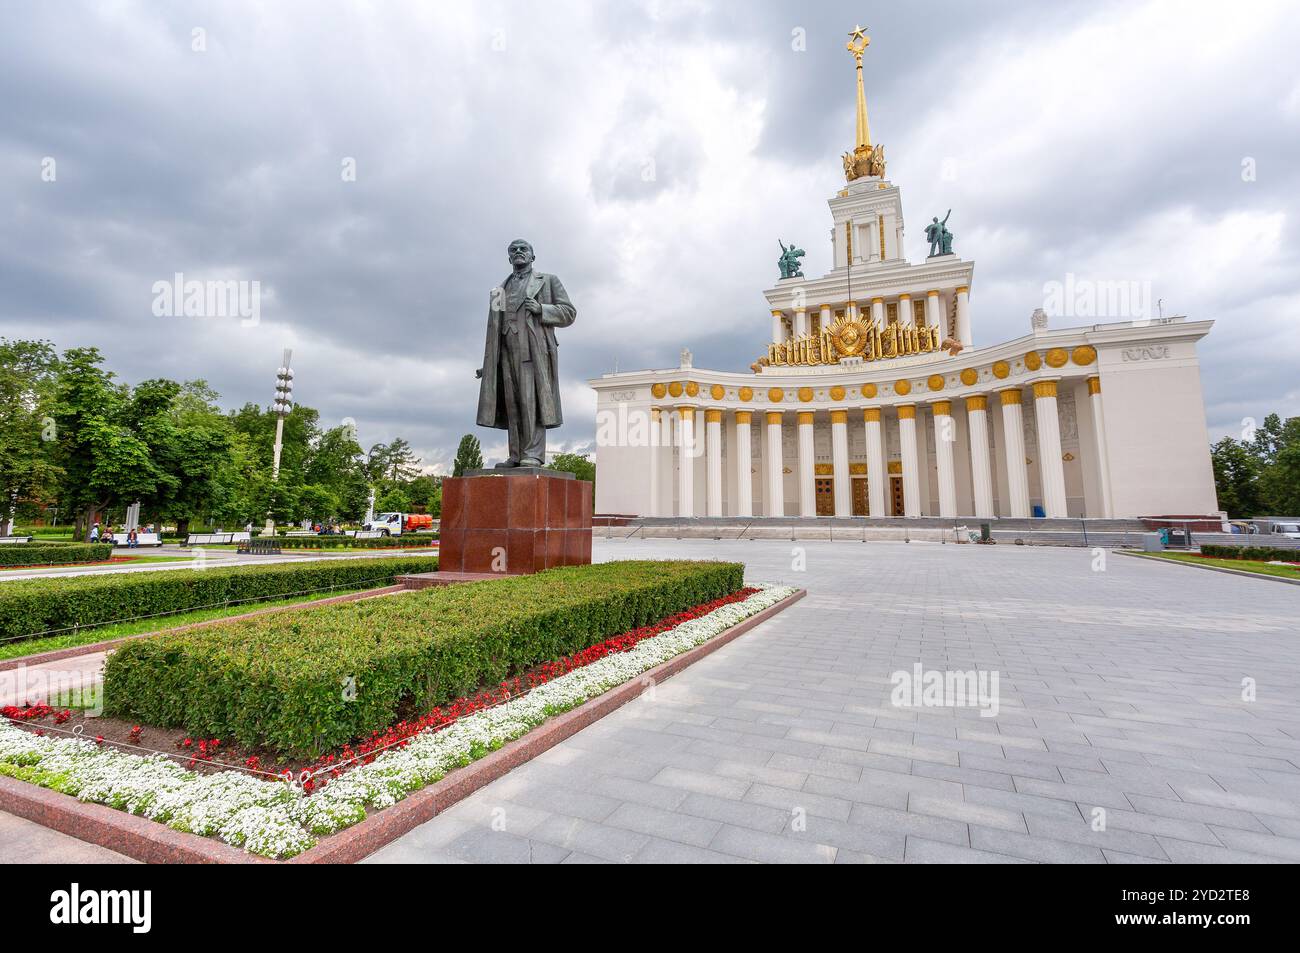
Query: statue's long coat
x,y
557,312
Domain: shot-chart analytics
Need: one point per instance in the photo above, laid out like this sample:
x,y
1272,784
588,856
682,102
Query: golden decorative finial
x,y
864,159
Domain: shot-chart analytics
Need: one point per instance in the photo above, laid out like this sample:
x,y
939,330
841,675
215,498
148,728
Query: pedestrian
x,y
94,533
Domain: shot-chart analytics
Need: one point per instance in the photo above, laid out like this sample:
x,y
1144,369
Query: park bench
x,y
141,539
259,546
15,539
213,539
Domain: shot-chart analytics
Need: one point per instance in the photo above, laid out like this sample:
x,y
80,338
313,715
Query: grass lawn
x,y
1245,565
21,647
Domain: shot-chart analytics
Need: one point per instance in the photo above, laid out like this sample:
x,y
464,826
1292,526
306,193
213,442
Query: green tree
x,y
28,386
469,456
338,464
393,500
316,503
1279,482
1236,476
104,462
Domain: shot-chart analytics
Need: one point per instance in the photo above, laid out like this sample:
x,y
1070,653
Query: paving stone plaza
x,y
1120,689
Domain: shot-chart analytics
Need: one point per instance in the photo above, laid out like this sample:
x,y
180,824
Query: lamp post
x,y
281,408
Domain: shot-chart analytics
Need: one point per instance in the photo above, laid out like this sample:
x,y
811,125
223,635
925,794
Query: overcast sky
x,y
652,152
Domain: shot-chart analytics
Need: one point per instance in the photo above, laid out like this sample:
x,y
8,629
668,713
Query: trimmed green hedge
x,y
53,554
1262,553
347,542
30,607
285,681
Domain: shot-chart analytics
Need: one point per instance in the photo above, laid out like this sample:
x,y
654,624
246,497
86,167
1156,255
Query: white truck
x,y
395,524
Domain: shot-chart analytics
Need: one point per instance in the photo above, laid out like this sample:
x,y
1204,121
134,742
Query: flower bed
x,y
53,554
276,820
304,682
30,607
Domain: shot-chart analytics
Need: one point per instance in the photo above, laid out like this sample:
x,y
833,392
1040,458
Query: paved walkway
x,y
1119,689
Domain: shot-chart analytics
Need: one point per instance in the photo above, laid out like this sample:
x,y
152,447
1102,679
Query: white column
x,y
807,489
840,462
800,322
828,316
686,470
775,468
1103,457
655,453
713,450
945,435
1050,467
1013,439
778,328
744,480
911,460
933,316
878,311
875,462
963,316
665,462
981,470
905,311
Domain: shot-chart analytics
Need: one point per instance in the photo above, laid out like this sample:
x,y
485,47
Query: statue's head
x,y
520,253
935,219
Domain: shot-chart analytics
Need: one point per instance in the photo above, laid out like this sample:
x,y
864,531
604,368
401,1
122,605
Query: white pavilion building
x,y
873,400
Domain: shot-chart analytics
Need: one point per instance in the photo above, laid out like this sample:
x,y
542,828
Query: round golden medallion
x,y
1033,360
805,394
658,390
716,391
868,390
1084,354
1001,369
849,337
692,388
1057,357
903,387
675,388
935,382
969,376
746,394
837,392
775,395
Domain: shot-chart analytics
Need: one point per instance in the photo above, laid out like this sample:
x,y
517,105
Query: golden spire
x,y
865,159
857,45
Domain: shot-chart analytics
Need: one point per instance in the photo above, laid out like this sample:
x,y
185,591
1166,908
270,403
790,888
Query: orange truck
x,y
395,524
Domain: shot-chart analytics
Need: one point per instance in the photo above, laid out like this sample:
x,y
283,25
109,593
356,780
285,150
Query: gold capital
x,y
839,416
805,418
907,412
686,412
744,416
942,408
1012,396
1045,389
1094,385
976,402
871,414
774,416
712,416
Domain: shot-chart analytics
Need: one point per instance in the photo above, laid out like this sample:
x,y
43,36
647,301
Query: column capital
x,y
744,416
941,407
877,300
1094,385
933,293
654,414
962,289
778,313
686,412
1044,389
839,416
1010,396
802,310
907,411
774,416
805,418
871,414
904,295
977,402
713,415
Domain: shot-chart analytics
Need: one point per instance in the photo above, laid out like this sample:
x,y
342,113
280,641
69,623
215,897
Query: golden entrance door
x,y
825,487
896,495
860,505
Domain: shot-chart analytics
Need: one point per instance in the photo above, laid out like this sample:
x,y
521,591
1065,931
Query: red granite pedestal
x,y
514,524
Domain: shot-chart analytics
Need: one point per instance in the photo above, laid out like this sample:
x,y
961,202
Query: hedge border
x,y
1259,553
53,553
